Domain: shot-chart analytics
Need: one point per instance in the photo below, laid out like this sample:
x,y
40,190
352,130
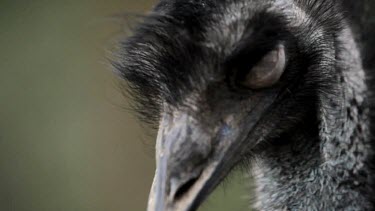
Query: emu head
x,y
221,79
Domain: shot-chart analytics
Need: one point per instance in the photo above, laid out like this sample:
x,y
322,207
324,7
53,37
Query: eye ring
x,y
267,71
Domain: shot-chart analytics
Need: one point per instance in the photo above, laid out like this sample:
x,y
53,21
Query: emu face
x,y
223,78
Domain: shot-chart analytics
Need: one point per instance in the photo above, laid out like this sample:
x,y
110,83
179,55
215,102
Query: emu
x,y
277,86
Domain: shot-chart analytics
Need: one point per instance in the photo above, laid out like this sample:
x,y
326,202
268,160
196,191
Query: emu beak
x,y
184,171
191,161
195,152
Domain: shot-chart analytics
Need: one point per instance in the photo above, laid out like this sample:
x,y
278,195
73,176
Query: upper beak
x,y
191,162
184,168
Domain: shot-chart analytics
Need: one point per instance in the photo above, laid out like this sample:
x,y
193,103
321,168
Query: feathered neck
x,y
327,168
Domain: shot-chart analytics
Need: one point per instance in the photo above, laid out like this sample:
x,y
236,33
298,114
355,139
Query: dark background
x,y
67,141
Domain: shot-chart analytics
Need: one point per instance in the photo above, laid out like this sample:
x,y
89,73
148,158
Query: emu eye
x,y
268,71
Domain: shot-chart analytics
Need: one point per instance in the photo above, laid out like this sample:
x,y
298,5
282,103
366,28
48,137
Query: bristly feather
x,y
166,58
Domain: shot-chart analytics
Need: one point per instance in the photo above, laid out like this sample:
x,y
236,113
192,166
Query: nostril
x,y
184,188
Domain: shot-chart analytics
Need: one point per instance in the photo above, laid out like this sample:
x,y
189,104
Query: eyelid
x,y
267,71
239,64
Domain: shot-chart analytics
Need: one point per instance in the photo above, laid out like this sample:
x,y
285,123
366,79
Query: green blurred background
x,y
66,141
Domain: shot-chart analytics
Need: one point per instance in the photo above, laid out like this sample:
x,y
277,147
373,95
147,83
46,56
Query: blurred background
x,y
67,141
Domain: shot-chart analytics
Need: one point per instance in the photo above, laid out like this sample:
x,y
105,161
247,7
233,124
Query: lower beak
x,y
186,198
